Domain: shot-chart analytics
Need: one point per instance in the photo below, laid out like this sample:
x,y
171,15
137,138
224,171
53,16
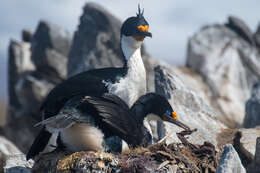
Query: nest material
x,y
159,158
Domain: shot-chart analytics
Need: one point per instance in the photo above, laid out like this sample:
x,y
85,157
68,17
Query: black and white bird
x,y
127,82
95,119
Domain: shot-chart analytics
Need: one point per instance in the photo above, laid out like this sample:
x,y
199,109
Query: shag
x,y
94,119
127,82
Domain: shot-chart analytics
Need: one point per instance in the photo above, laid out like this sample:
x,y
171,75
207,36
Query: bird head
x,y
136,28
161,109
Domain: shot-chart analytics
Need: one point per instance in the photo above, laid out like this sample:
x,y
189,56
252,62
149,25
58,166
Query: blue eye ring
x,y
168,113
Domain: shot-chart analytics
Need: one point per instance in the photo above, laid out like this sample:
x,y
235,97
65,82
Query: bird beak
x,y
173,119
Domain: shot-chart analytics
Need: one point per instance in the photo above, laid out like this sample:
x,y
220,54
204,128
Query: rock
x,y
27,35
229,66
252,117
18,164
7,149
34,69
257,37
96,43
190,108
248,141
230,161
50,46
240,27
255,166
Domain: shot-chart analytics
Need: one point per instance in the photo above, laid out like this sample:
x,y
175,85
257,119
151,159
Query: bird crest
x,y
140,13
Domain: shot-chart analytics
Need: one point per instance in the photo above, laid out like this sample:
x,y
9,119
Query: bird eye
x,y
168,113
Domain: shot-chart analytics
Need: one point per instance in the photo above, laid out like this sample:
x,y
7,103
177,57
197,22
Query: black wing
x,y
115,117
86,83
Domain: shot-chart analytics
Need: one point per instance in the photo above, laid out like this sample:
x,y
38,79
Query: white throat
x,y
133,85
130,47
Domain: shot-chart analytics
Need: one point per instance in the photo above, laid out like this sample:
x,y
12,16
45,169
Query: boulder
x,y
34,68
230,161
252,117
229,65
248,141
96,43
191,109
18,164
241,28
257,37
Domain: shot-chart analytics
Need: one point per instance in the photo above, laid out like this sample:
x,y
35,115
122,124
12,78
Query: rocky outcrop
x,y
230,161
7,149
96,43
191,109
17,163
35,66
252,117
226,58
257,37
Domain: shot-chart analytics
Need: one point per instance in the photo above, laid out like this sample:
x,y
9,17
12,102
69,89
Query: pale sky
x,y
172,22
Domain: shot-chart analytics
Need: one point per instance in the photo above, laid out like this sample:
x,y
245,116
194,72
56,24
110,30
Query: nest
x,y
159,158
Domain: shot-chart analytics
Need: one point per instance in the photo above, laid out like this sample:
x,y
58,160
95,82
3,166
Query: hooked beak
x,y
145,34
173,119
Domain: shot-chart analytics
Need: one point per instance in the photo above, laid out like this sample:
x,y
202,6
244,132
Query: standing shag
x,y
127,82
98,118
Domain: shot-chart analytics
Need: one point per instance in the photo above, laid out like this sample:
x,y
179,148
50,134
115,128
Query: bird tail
x,y
39,143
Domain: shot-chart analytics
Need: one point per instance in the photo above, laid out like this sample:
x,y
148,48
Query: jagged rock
x,y
18,164
257,37
230,161
228,65
33,70
96,43
240,27
50,46
255,166
27,36
7,149
252,117
248,141
189,106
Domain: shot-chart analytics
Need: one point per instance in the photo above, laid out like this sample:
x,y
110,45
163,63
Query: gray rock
x,y
248,141
257,37
255,166
34,69
27,35
7,150
50,46
241,28
18,164
230,161
96,44
220,56
252,117
191,109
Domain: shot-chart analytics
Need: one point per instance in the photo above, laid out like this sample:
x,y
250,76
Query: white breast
x,y
133,85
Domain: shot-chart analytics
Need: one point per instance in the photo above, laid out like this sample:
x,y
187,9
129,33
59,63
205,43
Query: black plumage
x,y
113,117
97,82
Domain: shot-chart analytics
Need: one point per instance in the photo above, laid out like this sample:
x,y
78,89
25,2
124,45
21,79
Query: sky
x,y
172,22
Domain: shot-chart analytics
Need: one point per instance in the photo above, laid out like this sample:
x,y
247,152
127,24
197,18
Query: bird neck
x,y
131,49
145,109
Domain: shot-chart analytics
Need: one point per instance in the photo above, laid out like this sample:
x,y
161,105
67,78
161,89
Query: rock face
x,y
248,141
191,109
7,149
229,64
252,117
230,161
34,68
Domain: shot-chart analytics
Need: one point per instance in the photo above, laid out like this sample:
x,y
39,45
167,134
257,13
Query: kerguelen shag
x,y
98,118
127,82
